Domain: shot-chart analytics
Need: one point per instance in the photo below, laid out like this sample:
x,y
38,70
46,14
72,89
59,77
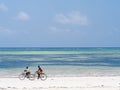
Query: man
x,y
27,71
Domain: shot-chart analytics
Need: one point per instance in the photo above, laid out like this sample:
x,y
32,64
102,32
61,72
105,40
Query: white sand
x,y
62,83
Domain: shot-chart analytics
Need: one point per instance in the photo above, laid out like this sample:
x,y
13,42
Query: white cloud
x,y
55,29
5,30
23,16
3,7
72,18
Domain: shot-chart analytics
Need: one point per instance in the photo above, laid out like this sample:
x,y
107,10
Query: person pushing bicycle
x,y
40,71
27,74
27,71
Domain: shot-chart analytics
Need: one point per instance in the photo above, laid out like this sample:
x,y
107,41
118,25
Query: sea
x,y
61,61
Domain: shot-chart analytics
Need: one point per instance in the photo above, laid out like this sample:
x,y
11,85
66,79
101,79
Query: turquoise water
x,y
61,61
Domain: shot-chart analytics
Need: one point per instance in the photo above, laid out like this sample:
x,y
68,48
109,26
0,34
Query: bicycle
x,y
43,76
23,75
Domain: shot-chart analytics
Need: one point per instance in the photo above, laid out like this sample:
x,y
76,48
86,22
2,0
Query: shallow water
x,y
61,61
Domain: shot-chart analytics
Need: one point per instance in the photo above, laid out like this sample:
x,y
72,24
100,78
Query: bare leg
x,y
38,76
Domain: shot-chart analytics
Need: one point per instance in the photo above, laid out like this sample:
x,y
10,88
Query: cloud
x,y
5,30
55,29
68,22
75,18
3,7
23,16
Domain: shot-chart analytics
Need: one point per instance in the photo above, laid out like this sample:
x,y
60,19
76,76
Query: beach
x,y
66,68
62,83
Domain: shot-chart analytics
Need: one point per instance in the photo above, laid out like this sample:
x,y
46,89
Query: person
x,y
40,71
27,71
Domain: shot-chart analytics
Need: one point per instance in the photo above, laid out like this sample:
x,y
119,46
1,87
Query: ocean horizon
x,y
61,61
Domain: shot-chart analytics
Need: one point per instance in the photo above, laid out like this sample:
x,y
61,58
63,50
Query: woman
x,y
40,71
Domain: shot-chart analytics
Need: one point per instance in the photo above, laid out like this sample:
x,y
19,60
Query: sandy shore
x,y
62,83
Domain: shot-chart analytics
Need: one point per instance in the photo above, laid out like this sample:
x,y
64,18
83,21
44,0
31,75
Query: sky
x,y
59,23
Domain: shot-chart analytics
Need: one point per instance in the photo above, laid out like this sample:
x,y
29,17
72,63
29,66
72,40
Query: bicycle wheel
x,y
31,77
43,76
36,74
22,76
